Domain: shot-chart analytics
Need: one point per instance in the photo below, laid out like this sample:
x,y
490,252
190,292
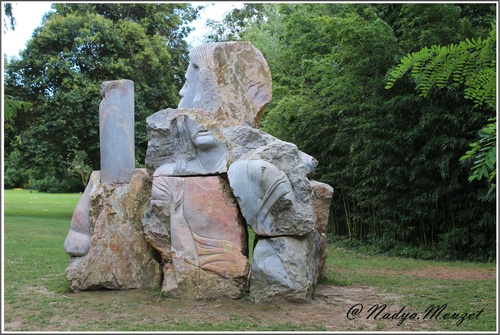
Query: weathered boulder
x,y
185,142
116,130
77,241
244,139
229,79
195,225
119,256
284,268
286,158
267,199
323,194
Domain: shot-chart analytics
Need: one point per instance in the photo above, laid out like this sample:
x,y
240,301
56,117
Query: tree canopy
x,y
76,49
471,64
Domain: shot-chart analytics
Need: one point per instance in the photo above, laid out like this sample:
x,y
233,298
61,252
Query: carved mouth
x,y
203,133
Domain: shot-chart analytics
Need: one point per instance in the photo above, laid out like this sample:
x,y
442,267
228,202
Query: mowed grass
x,y
35,226
36,295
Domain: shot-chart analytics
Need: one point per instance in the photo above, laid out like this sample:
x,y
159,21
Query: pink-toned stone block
x,y
208,236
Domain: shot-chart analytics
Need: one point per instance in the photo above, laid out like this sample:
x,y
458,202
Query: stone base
x,y
200,284
119,256
284,268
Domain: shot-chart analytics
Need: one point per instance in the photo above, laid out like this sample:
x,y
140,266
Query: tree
x,y
234,22
79,165
471,66
77,48
7,9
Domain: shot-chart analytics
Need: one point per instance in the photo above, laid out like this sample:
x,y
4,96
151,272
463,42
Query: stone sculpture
x,y
184,142
116,129
106,240
209,173
205,253
266,198
230,80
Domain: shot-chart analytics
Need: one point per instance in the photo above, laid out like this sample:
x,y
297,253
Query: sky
x,y
28,15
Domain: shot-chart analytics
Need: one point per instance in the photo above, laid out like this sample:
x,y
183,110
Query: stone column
x,y
116,127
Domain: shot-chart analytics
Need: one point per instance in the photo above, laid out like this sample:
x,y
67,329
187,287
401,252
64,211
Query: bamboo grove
x,y
392,154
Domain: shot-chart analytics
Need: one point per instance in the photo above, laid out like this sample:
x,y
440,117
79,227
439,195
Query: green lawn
x,y
36,294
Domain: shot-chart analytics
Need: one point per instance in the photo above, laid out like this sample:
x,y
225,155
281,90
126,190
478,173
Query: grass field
x,y
36,295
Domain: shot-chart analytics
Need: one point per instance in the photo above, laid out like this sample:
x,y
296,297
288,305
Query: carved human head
x,y
229,79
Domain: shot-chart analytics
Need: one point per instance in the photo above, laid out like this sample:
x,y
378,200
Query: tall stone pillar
x,y
116,127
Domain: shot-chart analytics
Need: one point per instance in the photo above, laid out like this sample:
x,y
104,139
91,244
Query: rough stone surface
x,y
244,139
116,128
323,194
266,199
284,268
77,241
185,142
119,256
156,226
199,284
322,250
229,79
286,157
195,225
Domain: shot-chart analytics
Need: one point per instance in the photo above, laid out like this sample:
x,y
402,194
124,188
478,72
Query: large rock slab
x,y
116,131
77,241
244,139
229,79
246,179
195,225
284,268
119,256
267,199
185,142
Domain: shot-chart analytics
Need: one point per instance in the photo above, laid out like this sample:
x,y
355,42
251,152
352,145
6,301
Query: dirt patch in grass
x,y
332,309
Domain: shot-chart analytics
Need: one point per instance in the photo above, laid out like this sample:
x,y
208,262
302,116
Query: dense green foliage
x,y
76,49
471,63
392,156
484,152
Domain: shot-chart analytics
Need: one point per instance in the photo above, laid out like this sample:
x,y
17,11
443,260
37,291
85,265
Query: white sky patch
x,y
28,15
214,11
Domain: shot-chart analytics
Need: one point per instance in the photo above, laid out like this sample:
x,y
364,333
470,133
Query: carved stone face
x,y
229,79
188,91
201,137
193,148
